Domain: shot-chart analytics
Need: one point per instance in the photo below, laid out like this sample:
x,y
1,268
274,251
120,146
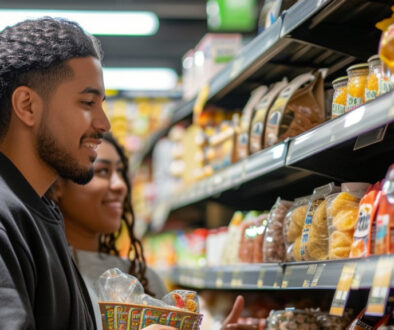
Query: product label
x,y
307,226
382,223
255,137
242,146
384,86
370,94
337,110
353,102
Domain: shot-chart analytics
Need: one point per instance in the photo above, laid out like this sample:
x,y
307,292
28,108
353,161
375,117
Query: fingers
x,y
235,313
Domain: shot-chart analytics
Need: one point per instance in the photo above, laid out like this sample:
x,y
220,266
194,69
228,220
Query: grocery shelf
x,y
232,176
284,276
361,120
315,157
301,40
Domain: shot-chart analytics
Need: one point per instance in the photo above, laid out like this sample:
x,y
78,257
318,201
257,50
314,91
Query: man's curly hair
x,y
33,54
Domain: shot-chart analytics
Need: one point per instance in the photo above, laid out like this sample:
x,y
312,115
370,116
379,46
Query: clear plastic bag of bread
x,y
293,223
274,245
342,214
314,238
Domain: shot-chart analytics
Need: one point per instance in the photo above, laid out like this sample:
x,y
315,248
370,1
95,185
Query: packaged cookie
x,y
364,234
342,214
274,245
318,197
259,119
384,242
293,224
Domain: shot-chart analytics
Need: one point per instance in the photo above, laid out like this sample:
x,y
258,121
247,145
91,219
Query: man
x,y
51,121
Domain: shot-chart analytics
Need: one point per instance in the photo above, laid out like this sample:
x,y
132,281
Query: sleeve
x,y
15,308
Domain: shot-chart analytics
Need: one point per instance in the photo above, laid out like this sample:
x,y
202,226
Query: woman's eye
x,y
101,172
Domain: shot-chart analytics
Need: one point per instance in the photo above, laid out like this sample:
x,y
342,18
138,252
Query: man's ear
x,y
26,104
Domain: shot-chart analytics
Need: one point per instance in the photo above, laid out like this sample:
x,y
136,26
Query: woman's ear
x,y
26,104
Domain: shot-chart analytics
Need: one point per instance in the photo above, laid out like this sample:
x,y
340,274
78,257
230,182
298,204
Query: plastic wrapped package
x,y
258,242
293,224
342,214
291,319
311,232
249,229
230,253
274,245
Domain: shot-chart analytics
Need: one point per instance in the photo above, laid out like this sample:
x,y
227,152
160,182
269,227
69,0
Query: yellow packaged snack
x,y
342,214
317,244
296,249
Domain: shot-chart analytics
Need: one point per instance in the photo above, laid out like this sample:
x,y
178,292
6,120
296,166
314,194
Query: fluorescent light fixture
x,y
141,79
95,22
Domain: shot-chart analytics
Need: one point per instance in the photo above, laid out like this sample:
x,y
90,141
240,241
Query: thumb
x,y
235,311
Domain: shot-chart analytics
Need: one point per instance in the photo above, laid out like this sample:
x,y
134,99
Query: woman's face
x,y
97,206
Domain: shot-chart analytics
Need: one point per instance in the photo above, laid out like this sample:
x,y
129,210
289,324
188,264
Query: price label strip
x,y
286,277
260,279
236,280
378,294
343,287
219,279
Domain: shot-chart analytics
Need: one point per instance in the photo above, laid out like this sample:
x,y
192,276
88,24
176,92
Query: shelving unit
x,y
358,146
311,34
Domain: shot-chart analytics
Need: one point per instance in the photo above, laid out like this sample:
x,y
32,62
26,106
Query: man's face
x,y
73,121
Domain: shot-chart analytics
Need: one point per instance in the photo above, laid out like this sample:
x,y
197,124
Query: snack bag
x,y
262,222
183,299
319,194
274,245
342,214
246,246
293,224
384,242
364,235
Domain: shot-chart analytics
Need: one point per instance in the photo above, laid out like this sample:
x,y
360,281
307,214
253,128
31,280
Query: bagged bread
x,y
309,235
342,214
242,145
298,108
259,119
293,224
274,245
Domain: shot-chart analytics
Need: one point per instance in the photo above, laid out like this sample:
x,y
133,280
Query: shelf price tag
x,y
343,287
286,276
236,280
278,278
378,294
260,279
236,67
219,279
317,274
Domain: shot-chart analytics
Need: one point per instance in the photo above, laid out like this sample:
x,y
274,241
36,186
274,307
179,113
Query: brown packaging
x,y
297,109
259,119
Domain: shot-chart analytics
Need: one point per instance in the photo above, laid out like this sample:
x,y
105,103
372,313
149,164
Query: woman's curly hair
x,y
107,241
33,54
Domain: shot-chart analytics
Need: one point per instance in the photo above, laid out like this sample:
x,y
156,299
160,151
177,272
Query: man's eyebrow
x,y
91,90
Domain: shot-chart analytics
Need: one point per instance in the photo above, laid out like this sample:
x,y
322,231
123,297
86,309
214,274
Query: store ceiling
x,y
182,25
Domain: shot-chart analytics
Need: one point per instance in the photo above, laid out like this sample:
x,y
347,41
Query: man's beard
x,y
62,162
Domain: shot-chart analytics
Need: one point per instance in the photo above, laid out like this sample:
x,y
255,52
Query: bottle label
x,y
337,110
353,102
385,86
370,94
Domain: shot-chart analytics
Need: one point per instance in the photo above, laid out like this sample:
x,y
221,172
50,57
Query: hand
x,y
159,327
231,321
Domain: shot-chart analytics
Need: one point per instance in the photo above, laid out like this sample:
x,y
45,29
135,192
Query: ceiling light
x,y
95,22
142,79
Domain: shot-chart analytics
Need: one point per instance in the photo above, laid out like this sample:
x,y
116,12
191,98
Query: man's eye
x,y
88,103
